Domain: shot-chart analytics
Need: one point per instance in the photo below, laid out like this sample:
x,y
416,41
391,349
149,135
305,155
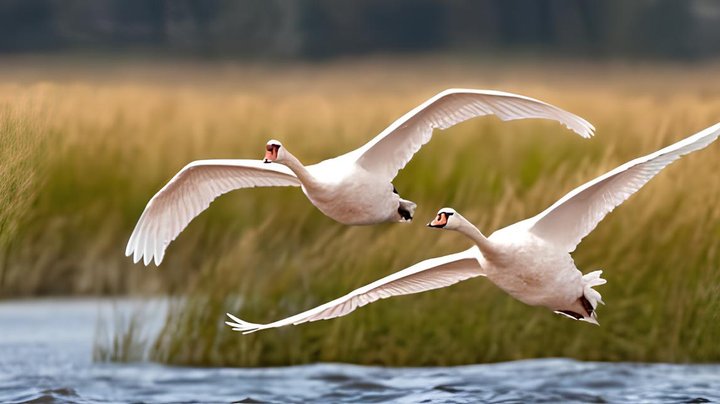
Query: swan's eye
x,y
269,147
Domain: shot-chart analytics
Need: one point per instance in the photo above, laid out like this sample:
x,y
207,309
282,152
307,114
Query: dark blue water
x,y
45,356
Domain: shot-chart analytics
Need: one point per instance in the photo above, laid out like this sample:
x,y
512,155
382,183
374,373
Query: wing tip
x,y
130,247
146,259
583,128
242,325
137,255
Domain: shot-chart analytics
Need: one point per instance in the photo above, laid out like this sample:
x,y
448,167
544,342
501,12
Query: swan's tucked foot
x,y
591,297
588,318
589,309
569,314
588,300
406,210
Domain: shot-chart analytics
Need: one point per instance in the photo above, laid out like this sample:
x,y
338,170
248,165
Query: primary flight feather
x,y
354,188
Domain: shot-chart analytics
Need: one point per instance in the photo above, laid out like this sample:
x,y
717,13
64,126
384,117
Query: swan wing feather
x,y
391,150
426,275
576,214
189,193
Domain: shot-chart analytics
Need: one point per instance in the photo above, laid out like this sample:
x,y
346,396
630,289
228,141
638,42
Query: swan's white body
x,y
530,260
355,188
350,194
530,268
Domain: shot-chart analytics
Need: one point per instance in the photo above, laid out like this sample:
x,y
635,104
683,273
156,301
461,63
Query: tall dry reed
x,y
115,136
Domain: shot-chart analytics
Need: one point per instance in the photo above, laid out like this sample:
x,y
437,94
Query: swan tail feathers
x,y
590,280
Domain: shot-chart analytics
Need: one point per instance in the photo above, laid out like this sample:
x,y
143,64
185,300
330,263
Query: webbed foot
x,y
406,210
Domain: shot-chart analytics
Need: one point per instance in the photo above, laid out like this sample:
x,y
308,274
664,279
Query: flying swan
x,y
355,188
530,260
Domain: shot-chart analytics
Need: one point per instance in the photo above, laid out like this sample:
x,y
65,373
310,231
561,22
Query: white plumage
x,y
355,188
576,214
190,192
430,274
530,260
388,152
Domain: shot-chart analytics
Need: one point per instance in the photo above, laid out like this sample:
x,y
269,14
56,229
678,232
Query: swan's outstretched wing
x,y
190,192
430,274
388,152
577,213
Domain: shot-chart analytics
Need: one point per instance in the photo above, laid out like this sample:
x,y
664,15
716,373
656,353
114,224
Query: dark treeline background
x,y
327,28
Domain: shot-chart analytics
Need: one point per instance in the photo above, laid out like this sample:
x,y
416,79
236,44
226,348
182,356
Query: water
x,y
46,347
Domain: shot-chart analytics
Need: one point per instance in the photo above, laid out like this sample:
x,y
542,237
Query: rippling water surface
x,y
45,356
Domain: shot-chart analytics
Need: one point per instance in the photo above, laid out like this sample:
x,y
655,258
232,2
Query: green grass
x,y
101,147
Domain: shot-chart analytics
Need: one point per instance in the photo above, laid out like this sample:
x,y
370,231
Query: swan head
x,y
274,151
447,218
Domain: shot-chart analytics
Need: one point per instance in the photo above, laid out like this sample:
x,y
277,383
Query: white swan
x,y
355,188
530,260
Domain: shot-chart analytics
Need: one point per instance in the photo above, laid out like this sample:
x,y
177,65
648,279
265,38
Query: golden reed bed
x,y
85,144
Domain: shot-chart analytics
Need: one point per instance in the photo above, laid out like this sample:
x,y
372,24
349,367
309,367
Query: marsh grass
x,y
123,340
264,254
21,156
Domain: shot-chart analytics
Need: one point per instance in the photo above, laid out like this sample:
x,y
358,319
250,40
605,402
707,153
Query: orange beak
x,y
271,152
439,221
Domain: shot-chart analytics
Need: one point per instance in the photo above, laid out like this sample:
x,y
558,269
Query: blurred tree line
x,y
327,28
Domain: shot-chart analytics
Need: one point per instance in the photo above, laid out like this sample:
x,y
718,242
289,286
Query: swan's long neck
x,y
487,248
299,169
